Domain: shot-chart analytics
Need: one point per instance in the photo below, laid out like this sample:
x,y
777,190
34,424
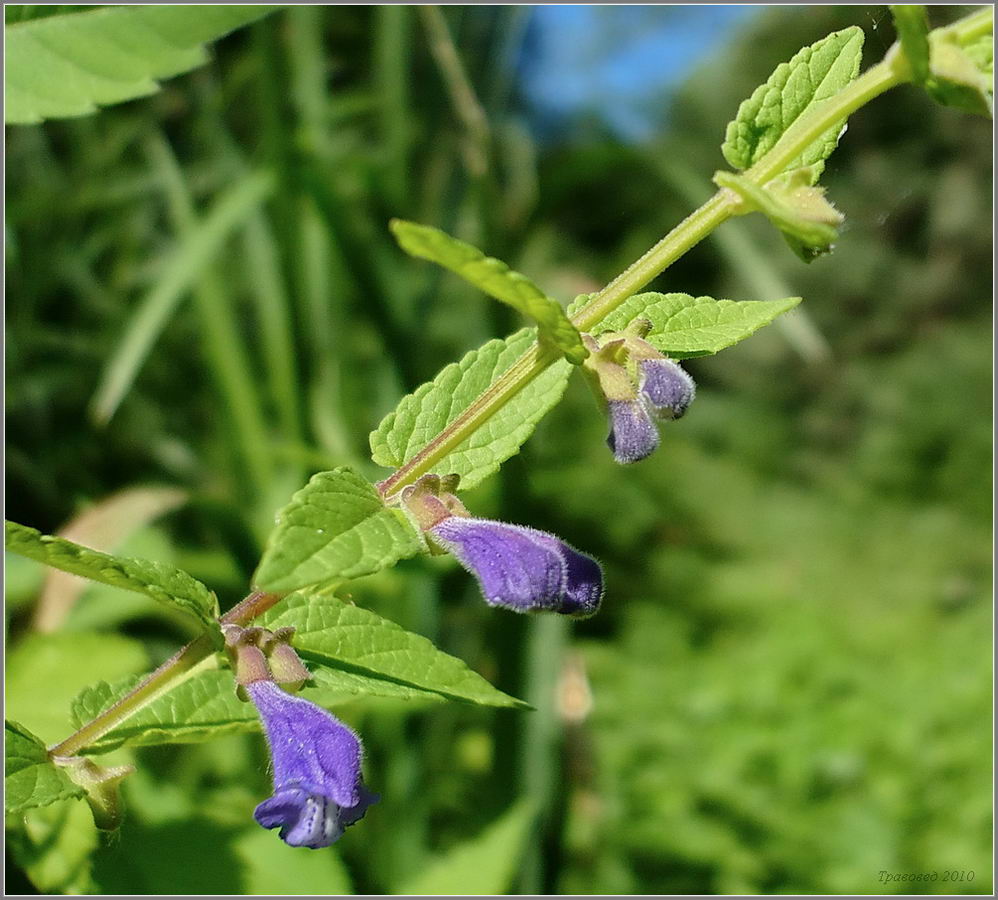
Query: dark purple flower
x,y
665,391
523,569
317,782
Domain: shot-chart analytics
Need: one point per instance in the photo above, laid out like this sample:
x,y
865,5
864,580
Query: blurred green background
x,y
789,686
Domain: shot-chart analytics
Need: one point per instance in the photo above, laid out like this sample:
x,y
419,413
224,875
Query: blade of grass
x,y
273,309
225,352
462,95
391,66
547,637
190,258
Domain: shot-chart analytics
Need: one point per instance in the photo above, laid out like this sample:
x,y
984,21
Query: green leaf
x,y
335,528
808,221
161,582
685,326
46,671
912,25
30,777
486,864
423,414
204,706
68,65
184,266
497,280
333,633
815,74
961,75
54,846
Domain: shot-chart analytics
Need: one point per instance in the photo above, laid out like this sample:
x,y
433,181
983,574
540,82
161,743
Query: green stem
x,y
808,128
693,229
462,94
500,392
162,679
973,26
885,75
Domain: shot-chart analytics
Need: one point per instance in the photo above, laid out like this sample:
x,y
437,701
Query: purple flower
x,y
317,782
523,569
667,387
633,434
665,391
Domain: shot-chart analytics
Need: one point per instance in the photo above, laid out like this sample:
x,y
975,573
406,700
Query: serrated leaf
x,y
815,74
68,65
163,583
485,864
204,706
683,326
423,414
335,528
808,221
330,632
497,280
912,26
30,778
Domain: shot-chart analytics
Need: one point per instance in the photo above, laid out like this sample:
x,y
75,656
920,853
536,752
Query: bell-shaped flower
x,y
523,569
317,780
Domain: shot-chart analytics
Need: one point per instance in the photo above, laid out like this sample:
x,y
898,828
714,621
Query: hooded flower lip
x,y
523,569
317,781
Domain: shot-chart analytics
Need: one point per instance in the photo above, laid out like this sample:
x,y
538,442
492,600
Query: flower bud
x,y
286,667
666,386
638,385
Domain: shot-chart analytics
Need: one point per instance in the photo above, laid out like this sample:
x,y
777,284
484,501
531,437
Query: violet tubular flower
x,y
317,781
523,569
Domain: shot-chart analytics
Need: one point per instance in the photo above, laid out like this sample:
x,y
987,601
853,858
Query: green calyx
x,y
258,654
612,364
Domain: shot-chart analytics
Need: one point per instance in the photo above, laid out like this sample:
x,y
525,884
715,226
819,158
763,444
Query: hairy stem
x,y
163,678
687,234
892,71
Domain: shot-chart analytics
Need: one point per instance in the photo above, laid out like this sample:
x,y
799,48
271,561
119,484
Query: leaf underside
x,y
423,414
497,280
71,64
815,74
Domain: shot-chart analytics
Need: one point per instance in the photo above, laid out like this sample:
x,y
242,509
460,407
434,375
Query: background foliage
x,y
788,688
